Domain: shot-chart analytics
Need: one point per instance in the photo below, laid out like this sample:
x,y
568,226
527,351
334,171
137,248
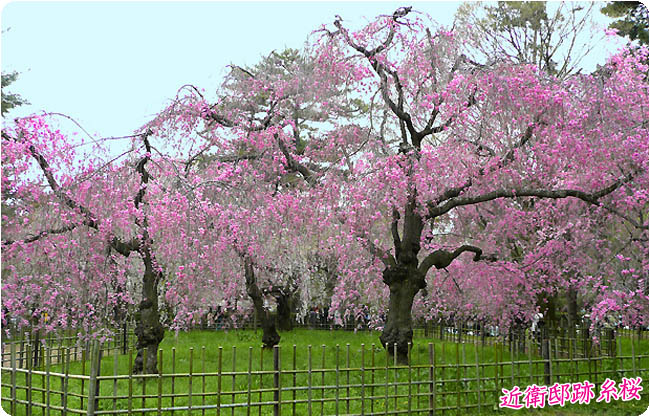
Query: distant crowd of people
x,y
318,317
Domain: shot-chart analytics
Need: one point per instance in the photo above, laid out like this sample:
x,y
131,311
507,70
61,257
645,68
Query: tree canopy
x,y
631,19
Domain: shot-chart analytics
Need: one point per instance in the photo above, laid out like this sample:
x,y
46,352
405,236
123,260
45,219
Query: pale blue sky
x,y
112,65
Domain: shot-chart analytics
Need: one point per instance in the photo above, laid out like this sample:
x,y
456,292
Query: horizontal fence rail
x,y
442,377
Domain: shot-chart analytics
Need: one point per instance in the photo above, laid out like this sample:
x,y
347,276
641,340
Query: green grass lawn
x,y
371,390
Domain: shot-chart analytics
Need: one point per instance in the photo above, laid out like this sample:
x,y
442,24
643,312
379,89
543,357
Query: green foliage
x,y
278,72
632,19
528,32
10,100
517,14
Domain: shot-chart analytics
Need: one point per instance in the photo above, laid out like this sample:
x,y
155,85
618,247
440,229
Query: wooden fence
x,y
444,377
582,339
56,345
125,339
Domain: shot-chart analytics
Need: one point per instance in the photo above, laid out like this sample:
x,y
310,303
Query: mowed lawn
x,y
326,359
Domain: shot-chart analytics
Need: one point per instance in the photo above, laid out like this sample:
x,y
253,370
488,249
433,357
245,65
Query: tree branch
x,y
591,198
395,232
41,235
442,258
294,165
382,70
90,220
383,255
507,158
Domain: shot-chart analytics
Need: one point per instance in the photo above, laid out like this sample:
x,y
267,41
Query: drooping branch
x,y
522,141
223,159
222,120
442,258
383,255
193,158
90,219
429,128
41,235
245,71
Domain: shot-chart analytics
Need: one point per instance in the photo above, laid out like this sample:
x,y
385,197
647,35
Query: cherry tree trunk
x,y
148,330
270,336
404,280
285,321
404,283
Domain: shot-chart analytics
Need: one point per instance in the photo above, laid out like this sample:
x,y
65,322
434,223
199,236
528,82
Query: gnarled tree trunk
x,y
404,281
285,321
148,330
398,330
405,276
270,336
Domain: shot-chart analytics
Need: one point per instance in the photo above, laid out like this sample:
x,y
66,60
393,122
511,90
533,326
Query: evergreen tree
x,y
632,19
10,100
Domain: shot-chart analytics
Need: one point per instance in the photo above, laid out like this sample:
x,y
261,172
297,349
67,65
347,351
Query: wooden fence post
x,y
633,358
478,377
48,359
219,369
91,385
309,380
28,380
160,377
65,381
363,381
458,384
546,356
338,351
95,371
550,362
22,350
276,381
13,378
496,373
130,397
125,337
432,379
189,382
